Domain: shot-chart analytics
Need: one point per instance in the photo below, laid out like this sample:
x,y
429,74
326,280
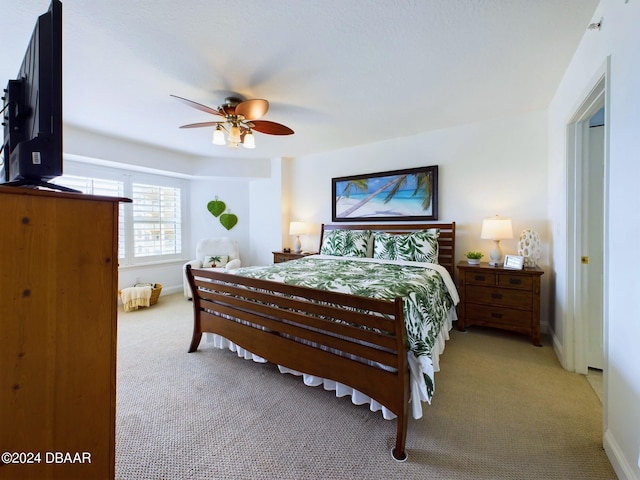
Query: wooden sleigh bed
x,y
357,341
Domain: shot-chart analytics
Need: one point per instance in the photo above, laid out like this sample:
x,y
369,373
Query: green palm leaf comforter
x,y
428,292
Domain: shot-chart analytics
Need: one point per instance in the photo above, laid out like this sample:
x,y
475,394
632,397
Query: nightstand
x,y
501,298
279,257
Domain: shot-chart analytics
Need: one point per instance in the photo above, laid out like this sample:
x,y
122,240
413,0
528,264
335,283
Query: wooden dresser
x,y
58,303
500,298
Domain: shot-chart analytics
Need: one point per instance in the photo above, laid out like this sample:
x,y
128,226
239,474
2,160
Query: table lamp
x,y
297,229
496,228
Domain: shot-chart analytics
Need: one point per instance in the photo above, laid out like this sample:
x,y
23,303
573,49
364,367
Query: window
x,y
150,228
156,220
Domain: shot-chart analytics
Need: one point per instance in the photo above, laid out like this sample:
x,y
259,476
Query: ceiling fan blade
x,y
252,109
270,128
198,106
201,124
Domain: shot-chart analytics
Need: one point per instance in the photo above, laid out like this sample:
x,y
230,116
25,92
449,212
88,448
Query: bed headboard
x,y
446,240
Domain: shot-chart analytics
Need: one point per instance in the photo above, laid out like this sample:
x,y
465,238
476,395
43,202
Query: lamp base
x,y
297,246
496,254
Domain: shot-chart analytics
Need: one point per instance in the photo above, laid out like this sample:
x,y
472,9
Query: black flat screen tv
x,y
32,113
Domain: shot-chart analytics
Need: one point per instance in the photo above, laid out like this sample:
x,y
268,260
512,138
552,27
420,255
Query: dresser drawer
x,y
481,278
515,281
518,320
499,296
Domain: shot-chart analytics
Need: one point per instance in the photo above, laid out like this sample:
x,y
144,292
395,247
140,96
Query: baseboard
x,y
171,290
544,327
557,347
623,469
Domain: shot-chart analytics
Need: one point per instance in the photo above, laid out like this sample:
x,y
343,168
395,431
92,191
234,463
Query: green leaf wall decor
x,y
216,207
228,220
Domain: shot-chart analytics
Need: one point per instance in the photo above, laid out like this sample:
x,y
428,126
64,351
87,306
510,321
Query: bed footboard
x,y
329,334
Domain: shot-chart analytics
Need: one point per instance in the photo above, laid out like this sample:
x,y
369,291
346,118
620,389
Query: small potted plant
x,y
473,258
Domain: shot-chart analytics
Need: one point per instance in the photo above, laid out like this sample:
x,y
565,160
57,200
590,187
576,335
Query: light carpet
x,y
503,409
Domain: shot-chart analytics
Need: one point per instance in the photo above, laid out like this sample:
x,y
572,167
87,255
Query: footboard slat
x,y
301,334
329,321
278,321
295,326
352,314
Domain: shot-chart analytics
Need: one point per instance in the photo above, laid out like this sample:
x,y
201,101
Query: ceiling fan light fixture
x,y
218,136
237,119
234,134
249,140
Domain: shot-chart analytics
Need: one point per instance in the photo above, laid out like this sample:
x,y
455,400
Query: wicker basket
x,y
155,293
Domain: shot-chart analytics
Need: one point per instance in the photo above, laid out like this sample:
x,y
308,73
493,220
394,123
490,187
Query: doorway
x,y
592,255
587,183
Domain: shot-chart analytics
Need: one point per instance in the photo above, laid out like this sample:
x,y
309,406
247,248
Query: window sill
x,y
155,263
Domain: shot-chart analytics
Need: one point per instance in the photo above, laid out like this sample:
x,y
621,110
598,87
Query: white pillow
x,y
214,261
233,264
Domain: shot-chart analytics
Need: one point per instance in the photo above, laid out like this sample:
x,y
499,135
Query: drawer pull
x,y
496,315
479,278
515,281
497,296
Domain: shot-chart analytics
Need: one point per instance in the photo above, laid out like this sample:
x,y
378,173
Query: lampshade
x,y
218,136
297,228
234,134
496,228
249,140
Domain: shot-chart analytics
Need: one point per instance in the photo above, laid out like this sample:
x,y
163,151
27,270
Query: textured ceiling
x,y
340,73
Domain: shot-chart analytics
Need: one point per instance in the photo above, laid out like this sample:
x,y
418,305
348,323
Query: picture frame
x,y
396,195
513,262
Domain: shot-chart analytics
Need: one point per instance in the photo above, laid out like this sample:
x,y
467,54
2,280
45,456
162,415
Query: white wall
x,y
235,194
92,147
166,274
266,206
494,167
619,38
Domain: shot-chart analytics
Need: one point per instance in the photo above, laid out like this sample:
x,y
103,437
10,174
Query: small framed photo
x,y
513,262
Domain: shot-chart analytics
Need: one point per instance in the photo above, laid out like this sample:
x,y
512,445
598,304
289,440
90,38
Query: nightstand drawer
x,y
498,316
496,296
515,281
481,278
279,257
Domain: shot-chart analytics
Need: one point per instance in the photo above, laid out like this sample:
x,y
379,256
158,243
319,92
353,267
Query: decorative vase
x,y
529,247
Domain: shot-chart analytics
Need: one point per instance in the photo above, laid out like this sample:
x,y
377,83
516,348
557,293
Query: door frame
x,y
576,339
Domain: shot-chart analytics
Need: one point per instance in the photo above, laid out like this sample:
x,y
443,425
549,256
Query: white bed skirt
x,y
418,369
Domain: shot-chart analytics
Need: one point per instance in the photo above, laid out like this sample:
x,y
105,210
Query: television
x,y
32,109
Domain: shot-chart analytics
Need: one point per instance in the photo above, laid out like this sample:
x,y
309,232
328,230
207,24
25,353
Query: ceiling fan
x,y
240,118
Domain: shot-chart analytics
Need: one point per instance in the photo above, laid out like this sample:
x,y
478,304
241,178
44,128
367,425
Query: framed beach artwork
x,y
401,195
